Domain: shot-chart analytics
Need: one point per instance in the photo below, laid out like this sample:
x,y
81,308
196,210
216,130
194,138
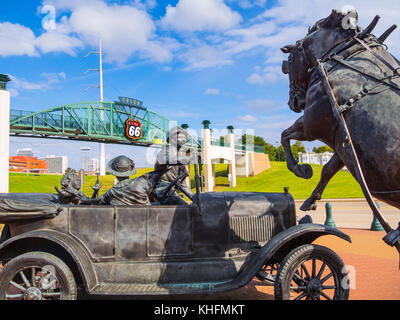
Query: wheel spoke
x,y
313,267
300,296
14,296
16,285
328,287
51,294
33,270
302,288
304,268
325,296
321,271
24,279
299,279
327,277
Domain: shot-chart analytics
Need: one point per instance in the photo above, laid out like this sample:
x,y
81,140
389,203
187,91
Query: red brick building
x,y
30,164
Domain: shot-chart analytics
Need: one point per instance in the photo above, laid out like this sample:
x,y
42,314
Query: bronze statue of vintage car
x,y
218,243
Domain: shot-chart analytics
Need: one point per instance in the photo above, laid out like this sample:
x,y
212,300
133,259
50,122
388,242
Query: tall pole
x,y
102,152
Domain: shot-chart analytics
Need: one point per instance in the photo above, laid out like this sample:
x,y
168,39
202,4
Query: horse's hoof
x,y
303,171
307,206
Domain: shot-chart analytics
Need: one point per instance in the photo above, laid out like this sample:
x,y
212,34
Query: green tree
x,y
295,148
323,149
259,141
270,150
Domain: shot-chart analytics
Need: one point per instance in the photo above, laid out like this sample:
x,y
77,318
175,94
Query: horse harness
x,y
393,236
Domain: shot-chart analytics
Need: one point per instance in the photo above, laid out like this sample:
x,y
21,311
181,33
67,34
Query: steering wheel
x,y
176,184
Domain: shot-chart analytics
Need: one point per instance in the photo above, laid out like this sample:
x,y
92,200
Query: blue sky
x,y
188,60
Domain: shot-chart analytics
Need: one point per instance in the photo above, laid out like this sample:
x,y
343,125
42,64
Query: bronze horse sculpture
x,y
361,78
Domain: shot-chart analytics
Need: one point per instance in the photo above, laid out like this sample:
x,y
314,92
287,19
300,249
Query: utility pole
x,y
102,152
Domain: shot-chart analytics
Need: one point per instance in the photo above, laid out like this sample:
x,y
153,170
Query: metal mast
x,y
102,159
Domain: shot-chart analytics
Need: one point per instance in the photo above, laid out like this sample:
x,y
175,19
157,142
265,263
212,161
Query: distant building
x,y
315,158
57,164
26,152
27,164
93,166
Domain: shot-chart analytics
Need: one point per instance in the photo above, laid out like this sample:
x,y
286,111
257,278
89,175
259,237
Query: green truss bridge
x,y
102,122
94,121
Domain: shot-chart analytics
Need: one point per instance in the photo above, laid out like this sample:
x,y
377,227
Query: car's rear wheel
x,y
268,273
312,272
37,276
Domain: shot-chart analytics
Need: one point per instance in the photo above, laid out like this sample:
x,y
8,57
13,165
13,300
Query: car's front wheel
x,y
312,272
37,276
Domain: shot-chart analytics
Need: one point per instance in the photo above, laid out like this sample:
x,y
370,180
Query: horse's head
x,y
303,56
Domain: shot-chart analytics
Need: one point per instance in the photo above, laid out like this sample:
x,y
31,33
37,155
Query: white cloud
x,y
262,105
50,79
16,40
304,13
194,15
270,74
247,4
123,29
247,118
145,4
211,91
55,41
204,56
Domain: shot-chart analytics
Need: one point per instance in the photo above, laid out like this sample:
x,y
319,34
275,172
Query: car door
x,y
153,232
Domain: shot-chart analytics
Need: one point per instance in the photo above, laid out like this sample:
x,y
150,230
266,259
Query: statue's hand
x,y
70,195
97,186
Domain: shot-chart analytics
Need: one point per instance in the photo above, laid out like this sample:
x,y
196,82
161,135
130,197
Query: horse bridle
x,y
297,92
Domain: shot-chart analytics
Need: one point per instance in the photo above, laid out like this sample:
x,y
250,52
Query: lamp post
x,y
277,151
206,124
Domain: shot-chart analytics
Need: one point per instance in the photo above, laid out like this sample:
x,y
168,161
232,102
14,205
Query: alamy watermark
x,y
49,20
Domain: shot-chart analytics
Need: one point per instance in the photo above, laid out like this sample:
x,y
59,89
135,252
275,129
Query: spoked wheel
x,y
37,276
268,273
311,272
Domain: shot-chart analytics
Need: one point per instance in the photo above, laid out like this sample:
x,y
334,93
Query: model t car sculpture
x,y
218,243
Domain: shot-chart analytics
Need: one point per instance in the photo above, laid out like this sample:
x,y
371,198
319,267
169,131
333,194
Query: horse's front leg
x,y
295,132
328,171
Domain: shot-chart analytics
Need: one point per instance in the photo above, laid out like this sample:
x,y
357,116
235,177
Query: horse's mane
x,y
316,26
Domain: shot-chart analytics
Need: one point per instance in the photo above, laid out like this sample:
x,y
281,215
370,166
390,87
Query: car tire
x,y
52,279
312,272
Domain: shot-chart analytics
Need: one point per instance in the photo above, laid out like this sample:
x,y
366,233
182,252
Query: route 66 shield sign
x,y
133,129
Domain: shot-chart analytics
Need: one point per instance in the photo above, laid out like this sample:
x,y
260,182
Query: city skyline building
x,y
25,152
57,164
93,166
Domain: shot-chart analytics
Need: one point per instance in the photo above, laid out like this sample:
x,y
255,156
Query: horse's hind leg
x,y
295,132
328,171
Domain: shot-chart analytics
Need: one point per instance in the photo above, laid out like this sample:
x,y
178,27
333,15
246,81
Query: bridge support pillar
x,y
4,139
232,164
206,157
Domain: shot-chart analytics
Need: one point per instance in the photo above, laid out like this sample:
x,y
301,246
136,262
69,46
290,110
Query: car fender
x,y
282,243
69,245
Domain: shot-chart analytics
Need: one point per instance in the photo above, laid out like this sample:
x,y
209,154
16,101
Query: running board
x,y
152,289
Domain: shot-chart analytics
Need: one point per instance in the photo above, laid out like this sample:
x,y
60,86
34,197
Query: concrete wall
x,y
261,163
251,164
4,139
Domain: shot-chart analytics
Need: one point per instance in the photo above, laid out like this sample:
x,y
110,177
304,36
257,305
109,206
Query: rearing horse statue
x,y
361,78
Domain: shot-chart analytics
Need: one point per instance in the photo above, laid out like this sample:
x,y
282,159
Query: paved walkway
x,y
373,269
351,213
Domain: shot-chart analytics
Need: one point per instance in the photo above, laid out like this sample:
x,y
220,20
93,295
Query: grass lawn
x,y
343,185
